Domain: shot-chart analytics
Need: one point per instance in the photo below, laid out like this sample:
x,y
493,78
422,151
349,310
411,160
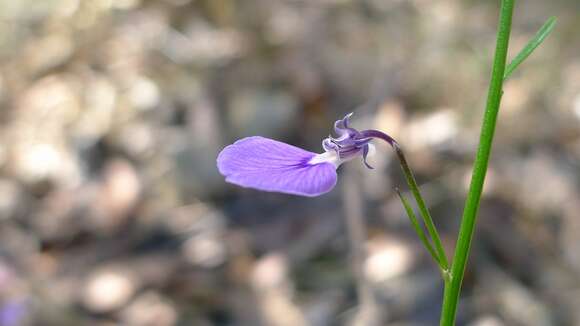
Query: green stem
x,y
427,219
441,257
419,229
453,287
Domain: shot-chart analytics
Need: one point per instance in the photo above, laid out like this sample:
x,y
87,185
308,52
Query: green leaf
x,y
531,46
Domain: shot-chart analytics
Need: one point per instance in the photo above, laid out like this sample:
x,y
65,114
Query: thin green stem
x,y
453,287
444,264
418,229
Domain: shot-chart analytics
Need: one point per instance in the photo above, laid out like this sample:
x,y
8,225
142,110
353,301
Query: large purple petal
x,y
269,165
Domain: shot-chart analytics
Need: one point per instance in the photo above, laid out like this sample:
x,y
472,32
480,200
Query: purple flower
x,y
269,165
12,313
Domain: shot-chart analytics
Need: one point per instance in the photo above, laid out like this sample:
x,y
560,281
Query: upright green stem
x,y
453,287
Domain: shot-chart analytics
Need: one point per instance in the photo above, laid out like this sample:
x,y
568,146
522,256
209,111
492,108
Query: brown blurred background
x,y
112,113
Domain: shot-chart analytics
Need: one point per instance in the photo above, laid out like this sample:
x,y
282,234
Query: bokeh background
x,y
112,113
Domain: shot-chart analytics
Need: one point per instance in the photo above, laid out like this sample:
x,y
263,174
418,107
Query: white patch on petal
x,y
333,158
327,157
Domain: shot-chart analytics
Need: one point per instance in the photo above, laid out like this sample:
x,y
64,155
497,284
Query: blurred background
x,y
112,113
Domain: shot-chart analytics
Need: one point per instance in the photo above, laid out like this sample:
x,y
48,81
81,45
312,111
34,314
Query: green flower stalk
x,y
453,287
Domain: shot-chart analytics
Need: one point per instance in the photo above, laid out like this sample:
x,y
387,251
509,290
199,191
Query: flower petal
x,y
269,165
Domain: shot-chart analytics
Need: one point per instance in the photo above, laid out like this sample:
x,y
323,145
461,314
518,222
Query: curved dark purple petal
x,y
269,165
365,154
